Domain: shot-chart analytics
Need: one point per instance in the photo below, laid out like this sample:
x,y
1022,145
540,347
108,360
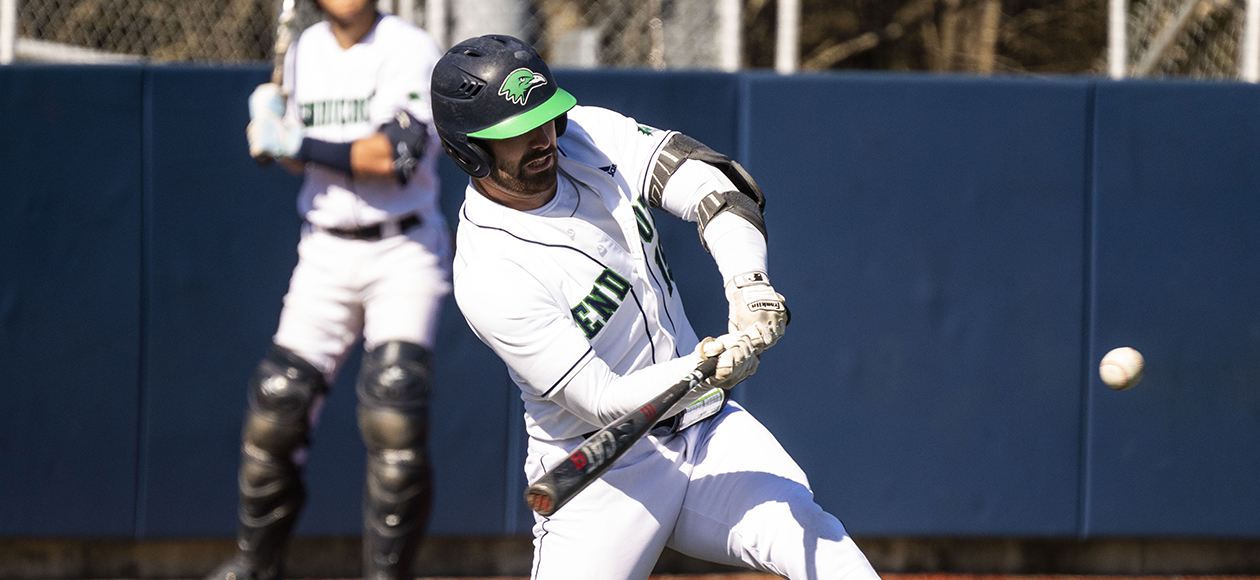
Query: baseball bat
x,y
284,37
598,453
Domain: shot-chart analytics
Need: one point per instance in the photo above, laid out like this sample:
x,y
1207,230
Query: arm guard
x,y
748,202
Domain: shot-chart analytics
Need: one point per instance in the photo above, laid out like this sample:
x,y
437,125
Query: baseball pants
x,y
723,490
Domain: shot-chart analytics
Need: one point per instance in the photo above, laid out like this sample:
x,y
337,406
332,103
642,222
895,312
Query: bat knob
x,y
541,497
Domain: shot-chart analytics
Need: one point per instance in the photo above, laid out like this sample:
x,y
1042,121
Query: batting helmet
x,y
492,87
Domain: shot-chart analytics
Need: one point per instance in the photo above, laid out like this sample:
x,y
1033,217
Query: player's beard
x,y
526,183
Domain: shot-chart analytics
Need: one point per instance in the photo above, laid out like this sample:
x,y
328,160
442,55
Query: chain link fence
x,y
576,33
134,30
1186,38
1166,38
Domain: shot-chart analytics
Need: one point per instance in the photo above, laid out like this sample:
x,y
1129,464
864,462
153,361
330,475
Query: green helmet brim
x,y
557,105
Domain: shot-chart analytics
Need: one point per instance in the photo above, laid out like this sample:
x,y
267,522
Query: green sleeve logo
x,y
519,83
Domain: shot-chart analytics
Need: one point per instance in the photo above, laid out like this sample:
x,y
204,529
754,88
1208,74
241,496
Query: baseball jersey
x,y
341,95
551,292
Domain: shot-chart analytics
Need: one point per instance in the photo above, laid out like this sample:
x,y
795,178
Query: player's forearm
x,y
598,396
736,245
372,157
369,157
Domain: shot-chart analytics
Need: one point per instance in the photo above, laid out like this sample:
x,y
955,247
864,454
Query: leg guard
x,y
393,417
277,425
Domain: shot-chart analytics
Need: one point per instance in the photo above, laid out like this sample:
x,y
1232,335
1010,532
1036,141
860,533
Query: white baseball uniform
x,y
390,286
577,298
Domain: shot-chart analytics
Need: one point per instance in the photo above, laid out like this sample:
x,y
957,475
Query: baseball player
x,y
373,260
559,269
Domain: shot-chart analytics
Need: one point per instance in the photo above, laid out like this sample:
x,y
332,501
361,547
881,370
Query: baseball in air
x,y
1121,368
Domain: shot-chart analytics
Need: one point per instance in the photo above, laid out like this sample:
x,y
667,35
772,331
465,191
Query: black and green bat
x,y
598,453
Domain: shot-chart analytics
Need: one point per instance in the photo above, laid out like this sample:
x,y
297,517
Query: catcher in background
x,y
374,260
559,269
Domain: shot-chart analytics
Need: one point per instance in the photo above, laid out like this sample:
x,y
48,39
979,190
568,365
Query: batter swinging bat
x,y
598,453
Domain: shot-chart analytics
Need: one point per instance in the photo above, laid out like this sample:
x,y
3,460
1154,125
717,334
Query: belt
x,y
667,426
384,229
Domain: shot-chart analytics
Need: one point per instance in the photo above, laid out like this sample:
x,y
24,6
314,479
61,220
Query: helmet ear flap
x,y
562,123
471,157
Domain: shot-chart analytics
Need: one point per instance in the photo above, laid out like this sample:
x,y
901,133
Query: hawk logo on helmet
x,y
519,83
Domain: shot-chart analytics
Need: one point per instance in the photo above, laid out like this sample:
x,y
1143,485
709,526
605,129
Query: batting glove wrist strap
x,y
755,308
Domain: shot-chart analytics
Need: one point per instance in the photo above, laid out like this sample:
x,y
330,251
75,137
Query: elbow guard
x,y
733,201
748,202
407,138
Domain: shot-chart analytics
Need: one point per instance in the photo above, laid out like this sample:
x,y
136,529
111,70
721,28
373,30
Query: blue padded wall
x,y
928,234
958,254
220,240
1176,274
70,263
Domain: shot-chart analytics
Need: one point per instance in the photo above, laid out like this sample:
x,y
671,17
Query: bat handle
x,y
707,368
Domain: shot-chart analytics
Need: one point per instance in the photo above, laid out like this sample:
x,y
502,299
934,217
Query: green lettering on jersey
x,y
599,303
591,328
604,306
335,112
643,215
645,225
614,282
666,273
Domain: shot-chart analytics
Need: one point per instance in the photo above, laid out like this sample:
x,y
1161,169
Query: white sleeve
x,y
537,338
404,78
736,245
598,396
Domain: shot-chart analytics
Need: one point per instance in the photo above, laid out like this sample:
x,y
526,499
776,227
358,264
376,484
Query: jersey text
x,y
335,112
593,311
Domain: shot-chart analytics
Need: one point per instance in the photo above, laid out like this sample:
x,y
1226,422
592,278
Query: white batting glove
x,y
267,98
736,358
273,137
757,309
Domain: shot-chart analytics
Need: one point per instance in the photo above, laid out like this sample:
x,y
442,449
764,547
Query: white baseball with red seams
x,y
577,296
1122,368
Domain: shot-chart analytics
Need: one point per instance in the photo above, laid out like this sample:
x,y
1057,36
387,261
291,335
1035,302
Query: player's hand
x,y
737,359
273,137
755,308
267,98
